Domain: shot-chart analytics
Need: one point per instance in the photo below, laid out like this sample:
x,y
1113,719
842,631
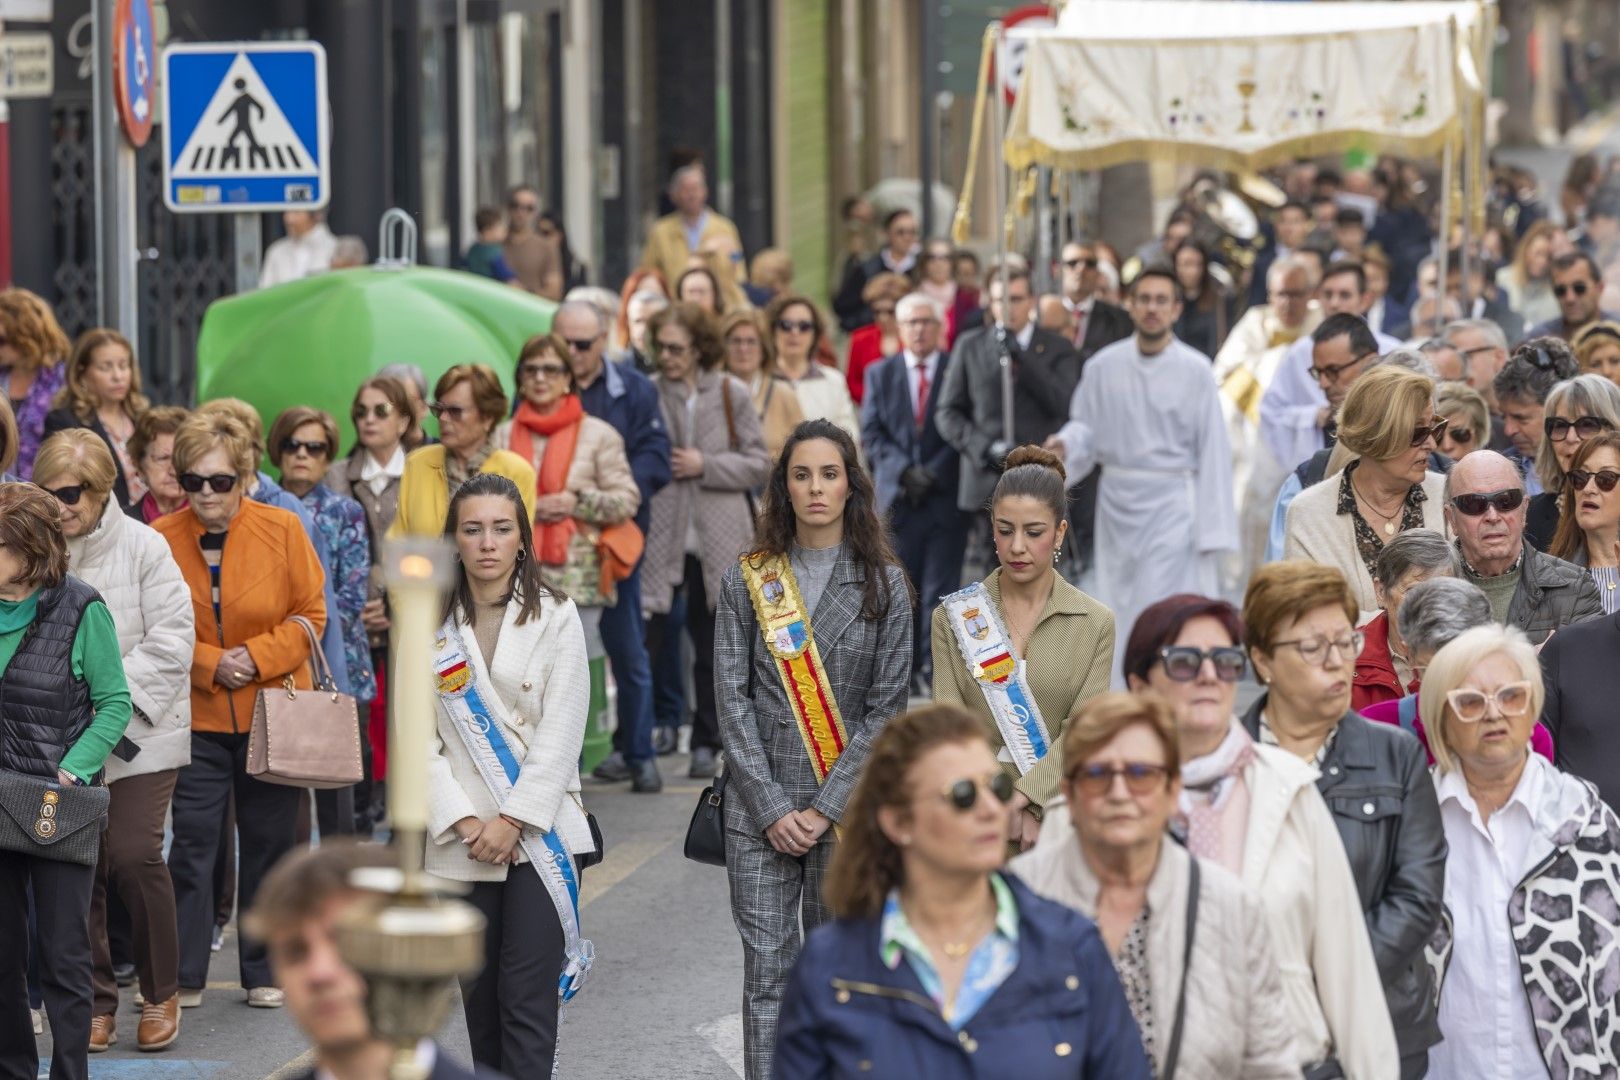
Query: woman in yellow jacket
x,y
468,402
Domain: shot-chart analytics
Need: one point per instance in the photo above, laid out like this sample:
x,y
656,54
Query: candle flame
x,y
416,566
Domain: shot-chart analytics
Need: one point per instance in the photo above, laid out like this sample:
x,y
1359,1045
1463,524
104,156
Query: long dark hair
x,y
1569,541
528,586
863,528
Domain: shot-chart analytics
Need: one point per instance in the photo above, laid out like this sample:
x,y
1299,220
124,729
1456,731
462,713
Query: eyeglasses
x,y
1424,432
1182,663
582,344
671,348
1470,706
191,483
69,496
1075,264
1557,428
1579,478
1331,372
542,371
381,411
1475,504
1315,650
313,449
1577,287
964,794
795,326
1461,436
1140,778
440,410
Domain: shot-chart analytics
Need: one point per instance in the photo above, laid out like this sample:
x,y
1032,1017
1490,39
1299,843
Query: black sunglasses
x,y
542,371
1075,264
1577,479
316,448
1576,287
441,410
964,794
580,344
381,411
795,326
191,483
1462,436
1475,505
1424,432
69,496
1182,663
1585,427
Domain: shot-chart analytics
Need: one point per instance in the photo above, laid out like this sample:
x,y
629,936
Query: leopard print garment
x,y
1565,917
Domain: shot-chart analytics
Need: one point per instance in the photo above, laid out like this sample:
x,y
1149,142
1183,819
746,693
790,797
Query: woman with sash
x,y
503,784
1023,649
812,656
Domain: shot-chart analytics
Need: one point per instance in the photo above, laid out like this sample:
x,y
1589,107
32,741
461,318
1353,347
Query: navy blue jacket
x,y
889,431
627,399
1060,1016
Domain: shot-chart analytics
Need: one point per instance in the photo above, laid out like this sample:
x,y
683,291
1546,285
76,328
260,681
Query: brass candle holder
x,y
410,937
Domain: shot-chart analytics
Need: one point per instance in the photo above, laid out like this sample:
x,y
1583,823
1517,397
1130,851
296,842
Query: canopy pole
x,y
998,139
1465,172
1447,167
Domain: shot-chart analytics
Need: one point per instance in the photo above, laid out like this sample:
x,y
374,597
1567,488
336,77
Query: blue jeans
x,y
626,649
669,671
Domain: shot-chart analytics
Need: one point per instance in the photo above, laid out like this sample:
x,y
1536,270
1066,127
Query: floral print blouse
x,y
343,526
31,415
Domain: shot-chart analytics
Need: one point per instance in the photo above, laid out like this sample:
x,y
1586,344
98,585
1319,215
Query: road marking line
x,y
622,861
1595,134
725,1037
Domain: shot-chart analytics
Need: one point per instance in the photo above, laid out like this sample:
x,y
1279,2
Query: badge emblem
x,y
977,625
45,826
454,679
770,586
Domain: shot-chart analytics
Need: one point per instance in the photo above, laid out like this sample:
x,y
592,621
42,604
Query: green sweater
x,y
98,661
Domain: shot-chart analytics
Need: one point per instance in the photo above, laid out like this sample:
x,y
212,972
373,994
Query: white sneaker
x,y
190,999
266,997
39,1020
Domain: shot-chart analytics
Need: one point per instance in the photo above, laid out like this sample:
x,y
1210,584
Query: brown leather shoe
x,y
160,1024
103,1032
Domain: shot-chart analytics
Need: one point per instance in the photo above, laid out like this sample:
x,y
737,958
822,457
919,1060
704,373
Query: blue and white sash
x,y
473,714
988,653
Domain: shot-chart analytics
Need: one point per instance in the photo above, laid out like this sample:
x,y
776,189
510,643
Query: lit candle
x,y
417,570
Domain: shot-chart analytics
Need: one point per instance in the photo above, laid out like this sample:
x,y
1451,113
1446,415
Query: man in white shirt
x,y
306,249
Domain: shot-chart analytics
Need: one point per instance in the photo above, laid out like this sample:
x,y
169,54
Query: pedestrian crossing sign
x,y
245,127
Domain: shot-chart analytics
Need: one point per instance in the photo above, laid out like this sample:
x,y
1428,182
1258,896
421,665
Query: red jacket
x,y
1375,678
865,349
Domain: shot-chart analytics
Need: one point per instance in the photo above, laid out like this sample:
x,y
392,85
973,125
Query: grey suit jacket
x,y
968,414
868,666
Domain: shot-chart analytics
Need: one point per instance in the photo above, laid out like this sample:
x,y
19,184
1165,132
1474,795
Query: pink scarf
x,y
1215,800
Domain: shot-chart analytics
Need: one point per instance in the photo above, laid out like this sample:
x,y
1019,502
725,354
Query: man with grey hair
x,y
675,236
1485,507
619,394
1384,670
638,311
914,470
1483,350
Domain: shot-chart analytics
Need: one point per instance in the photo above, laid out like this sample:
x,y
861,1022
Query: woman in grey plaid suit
x,y
820,517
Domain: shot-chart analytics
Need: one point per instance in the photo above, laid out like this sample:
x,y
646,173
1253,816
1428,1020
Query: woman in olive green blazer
x,y
1064,637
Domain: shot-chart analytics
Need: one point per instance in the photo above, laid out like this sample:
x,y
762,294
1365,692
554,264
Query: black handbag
x,y
706,832
595,857
51,820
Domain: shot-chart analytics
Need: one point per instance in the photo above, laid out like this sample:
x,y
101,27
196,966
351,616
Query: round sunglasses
x,y
1182,663
964,794
1577,479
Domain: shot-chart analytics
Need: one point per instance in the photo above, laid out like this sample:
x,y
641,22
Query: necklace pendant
x,y
1389,528
955,950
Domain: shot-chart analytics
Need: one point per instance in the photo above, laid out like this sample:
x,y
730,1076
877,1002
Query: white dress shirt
x,y
1484,1012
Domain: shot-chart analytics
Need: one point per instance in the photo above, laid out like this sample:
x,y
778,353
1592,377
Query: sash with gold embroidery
x,y
988,653
785,625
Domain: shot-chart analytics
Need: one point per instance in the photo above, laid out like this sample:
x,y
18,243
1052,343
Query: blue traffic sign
x,y
245,127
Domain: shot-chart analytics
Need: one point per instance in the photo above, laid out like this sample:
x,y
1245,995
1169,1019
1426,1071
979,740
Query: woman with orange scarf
x,y
585,495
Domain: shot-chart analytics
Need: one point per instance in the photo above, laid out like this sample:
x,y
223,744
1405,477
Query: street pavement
x,y
663,1001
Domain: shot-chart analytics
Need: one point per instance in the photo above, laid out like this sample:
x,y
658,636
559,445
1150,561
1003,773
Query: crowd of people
x,y
1080,523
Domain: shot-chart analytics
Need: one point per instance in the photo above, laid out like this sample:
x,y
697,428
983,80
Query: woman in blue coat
x,y
937,965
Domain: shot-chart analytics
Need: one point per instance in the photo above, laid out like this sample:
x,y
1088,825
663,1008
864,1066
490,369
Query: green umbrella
x,y
311,342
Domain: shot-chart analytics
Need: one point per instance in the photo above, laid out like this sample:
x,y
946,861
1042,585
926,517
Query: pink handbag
x,y
305,738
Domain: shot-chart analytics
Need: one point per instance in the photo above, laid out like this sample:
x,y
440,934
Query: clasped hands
x,y
494,841
236,669
797,831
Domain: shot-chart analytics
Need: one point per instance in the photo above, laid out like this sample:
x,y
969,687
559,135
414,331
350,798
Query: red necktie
x,y
922,393
1079,327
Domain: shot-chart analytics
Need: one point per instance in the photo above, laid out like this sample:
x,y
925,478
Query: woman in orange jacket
x,y
251,570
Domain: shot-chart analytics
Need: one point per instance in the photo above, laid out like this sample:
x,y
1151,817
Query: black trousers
x,y
700,624
930,540
511,1005
266,817
62,908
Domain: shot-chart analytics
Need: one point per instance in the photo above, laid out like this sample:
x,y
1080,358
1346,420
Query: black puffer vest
x,y
43,708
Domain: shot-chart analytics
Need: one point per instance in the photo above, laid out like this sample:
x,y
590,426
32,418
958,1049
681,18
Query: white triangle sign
x,y
243,132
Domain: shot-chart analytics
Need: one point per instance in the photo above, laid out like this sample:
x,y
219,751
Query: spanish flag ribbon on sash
x,y
785,625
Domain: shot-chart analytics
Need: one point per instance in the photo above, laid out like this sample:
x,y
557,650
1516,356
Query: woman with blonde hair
x,y
1527,280
751,358
1524,972
32,350
798,331
937,963
1378,480
1468,419
133,570
103,393
1576,411
1597,347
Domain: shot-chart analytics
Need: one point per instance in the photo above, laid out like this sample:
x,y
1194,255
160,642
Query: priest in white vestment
x,y
1148,411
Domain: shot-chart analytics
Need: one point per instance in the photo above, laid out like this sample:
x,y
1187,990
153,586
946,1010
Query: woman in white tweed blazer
x,y
524,654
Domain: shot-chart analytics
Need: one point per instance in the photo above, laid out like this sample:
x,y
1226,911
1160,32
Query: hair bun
x,y
1030,454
